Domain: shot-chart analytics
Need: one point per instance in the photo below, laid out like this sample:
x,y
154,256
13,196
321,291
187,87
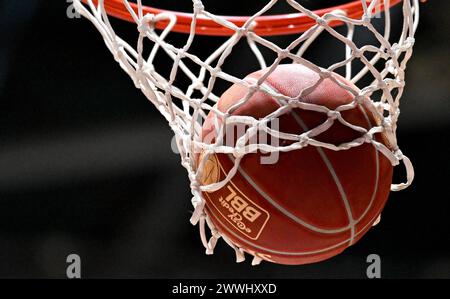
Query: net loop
x,y
409,172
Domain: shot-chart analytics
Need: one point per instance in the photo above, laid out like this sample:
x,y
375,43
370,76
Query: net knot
x,y
181,53
216,70
382,85
238,153
359,99
386,122
321,22
144,23
390,66
167,86
368,138
325,74
197,84
283,53
303,140
357,53
333,114
241,31
252,89
366,19
398,154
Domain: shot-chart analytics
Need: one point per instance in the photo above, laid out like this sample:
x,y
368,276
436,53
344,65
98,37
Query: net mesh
x,y
186,107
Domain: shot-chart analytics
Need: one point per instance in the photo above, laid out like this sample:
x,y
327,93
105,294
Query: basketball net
x,y
185,111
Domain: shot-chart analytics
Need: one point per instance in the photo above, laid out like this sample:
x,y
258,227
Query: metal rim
x,y
281,24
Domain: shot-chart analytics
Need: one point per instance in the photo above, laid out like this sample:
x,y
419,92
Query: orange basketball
x,y
313,202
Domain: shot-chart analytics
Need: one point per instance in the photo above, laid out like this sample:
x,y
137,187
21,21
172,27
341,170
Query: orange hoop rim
x,y
281,24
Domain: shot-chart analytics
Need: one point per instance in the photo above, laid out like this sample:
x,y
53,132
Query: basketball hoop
x,y
384,62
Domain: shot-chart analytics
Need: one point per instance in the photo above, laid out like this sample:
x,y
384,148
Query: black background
x,y
86,165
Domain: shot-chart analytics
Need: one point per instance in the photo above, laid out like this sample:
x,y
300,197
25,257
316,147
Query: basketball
x,y
313,202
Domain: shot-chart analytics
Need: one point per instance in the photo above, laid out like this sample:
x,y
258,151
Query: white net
x,y
185,108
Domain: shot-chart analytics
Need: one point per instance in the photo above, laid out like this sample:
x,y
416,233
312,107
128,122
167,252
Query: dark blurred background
x,y
86,165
